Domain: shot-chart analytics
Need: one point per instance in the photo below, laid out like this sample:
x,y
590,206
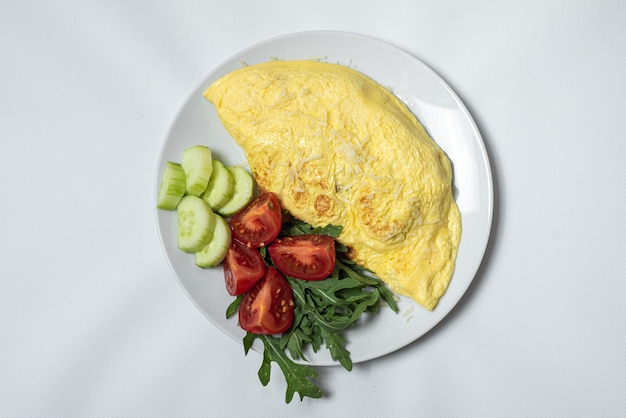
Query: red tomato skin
x,y
268,307
305,257
259,223
243,267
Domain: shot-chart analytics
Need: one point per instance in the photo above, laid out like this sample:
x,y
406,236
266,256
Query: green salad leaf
x,y
296,375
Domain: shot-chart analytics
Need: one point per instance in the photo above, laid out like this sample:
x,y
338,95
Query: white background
x,y
93,322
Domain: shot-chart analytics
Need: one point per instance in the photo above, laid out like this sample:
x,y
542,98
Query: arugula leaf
x,y
234,306
326,308
296,375
386,294
294,227
294,342
335,344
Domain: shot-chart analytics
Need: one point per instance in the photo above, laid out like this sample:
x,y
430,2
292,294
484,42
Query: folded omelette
x,y
338,148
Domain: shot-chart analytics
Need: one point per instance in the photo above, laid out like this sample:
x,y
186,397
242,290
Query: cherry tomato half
x,y
268,307
259,223
243,267
307,257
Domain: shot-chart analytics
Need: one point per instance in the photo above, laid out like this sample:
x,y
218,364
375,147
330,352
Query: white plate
x,y
438,108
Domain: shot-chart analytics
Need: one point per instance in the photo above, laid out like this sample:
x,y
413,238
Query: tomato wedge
x,y
268,307
307,257
259,223
243,267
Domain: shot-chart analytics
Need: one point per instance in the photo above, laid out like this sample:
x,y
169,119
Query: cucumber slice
x,y
196,222
221,186
172,186
243,192
213,253
197,164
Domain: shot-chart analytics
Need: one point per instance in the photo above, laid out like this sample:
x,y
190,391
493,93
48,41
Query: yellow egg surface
x,y
338,148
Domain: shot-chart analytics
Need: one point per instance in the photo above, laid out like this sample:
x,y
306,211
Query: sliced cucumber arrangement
x,y
242,194
203,192
196,222
213,253
172,186
197,164
221,186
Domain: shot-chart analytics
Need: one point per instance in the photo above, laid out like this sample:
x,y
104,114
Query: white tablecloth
x,y
93,322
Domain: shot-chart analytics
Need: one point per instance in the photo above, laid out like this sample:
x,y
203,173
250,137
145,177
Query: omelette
x,y
338,148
